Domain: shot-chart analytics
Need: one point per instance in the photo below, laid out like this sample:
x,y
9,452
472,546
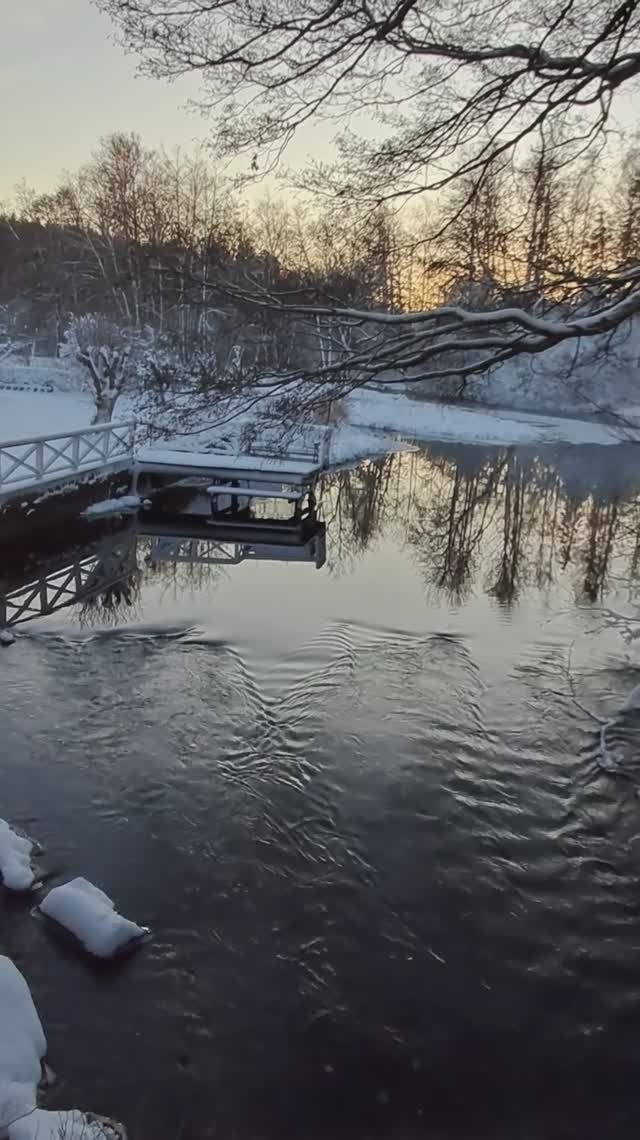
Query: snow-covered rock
x,y
22,1047
126,504
89,914
15,859
6,637
69,1125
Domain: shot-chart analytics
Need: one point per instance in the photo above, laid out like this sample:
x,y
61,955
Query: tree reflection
x,y
112,592
499,518
355,505
511,561
178,576
601,528
495,519
448,529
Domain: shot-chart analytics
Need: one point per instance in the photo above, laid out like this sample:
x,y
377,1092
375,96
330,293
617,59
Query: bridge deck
x,y
260,468
29,464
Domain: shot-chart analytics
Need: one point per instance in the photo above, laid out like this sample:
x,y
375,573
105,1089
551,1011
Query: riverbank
x,y
371,418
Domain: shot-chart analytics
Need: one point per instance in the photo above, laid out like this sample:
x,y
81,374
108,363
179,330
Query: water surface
x,y
392,892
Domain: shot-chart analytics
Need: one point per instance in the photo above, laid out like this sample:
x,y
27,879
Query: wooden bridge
x,y
40,462
231,533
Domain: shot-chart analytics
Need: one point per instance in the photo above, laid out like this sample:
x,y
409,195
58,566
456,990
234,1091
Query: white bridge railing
x,y
31,463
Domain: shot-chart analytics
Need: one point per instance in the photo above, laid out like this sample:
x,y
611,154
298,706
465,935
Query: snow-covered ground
x,y
430,421
374,418
369,414
44,372
575,377
25,414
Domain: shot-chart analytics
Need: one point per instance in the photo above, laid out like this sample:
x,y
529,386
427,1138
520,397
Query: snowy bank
x,y
573,377
90,915
373,417
15,859
22,1047
453,423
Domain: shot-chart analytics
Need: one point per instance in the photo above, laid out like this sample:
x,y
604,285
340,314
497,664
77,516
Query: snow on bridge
x,y
37,462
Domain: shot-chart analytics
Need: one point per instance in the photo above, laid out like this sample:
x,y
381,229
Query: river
x,y
392,892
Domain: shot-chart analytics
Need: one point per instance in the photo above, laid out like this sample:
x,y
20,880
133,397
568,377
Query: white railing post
x,y
40,458
75,452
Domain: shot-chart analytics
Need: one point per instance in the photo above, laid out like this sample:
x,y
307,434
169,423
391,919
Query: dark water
x,y
392,893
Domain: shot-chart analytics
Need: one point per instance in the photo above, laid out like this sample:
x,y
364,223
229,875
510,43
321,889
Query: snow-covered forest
x,y
145,269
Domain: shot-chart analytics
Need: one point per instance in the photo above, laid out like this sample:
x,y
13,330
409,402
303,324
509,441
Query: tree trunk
x,y
104,409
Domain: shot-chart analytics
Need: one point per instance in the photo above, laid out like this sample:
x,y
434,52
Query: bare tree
x,y
104,350
457,88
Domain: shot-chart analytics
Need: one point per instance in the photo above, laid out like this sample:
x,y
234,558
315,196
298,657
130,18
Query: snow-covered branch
x,y
478,81
448,340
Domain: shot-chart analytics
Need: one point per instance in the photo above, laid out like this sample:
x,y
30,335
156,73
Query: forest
x,y
158,258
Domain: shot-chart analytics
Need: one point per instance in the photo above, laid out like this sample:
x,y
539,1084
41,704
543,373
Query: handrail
x,y
111,425
33,462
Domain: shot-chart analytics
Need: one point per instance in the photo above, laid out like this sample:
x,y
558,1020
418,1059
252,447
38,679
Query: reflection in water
x,y
184,551
499,521
101,576
112,591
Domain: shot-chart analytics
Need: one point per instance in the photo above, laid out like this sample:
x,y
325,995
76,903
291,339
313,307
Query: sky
x,y
65,83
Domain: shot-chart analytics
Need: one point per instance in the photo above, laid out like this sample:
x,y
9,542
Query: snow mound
x,y
70,1125
15,859
22,1047
90,915
6,638
126,504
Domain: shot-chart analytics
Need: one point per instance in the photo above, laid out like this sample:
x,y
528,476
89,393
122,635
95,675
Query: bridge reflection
x,y
105,575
